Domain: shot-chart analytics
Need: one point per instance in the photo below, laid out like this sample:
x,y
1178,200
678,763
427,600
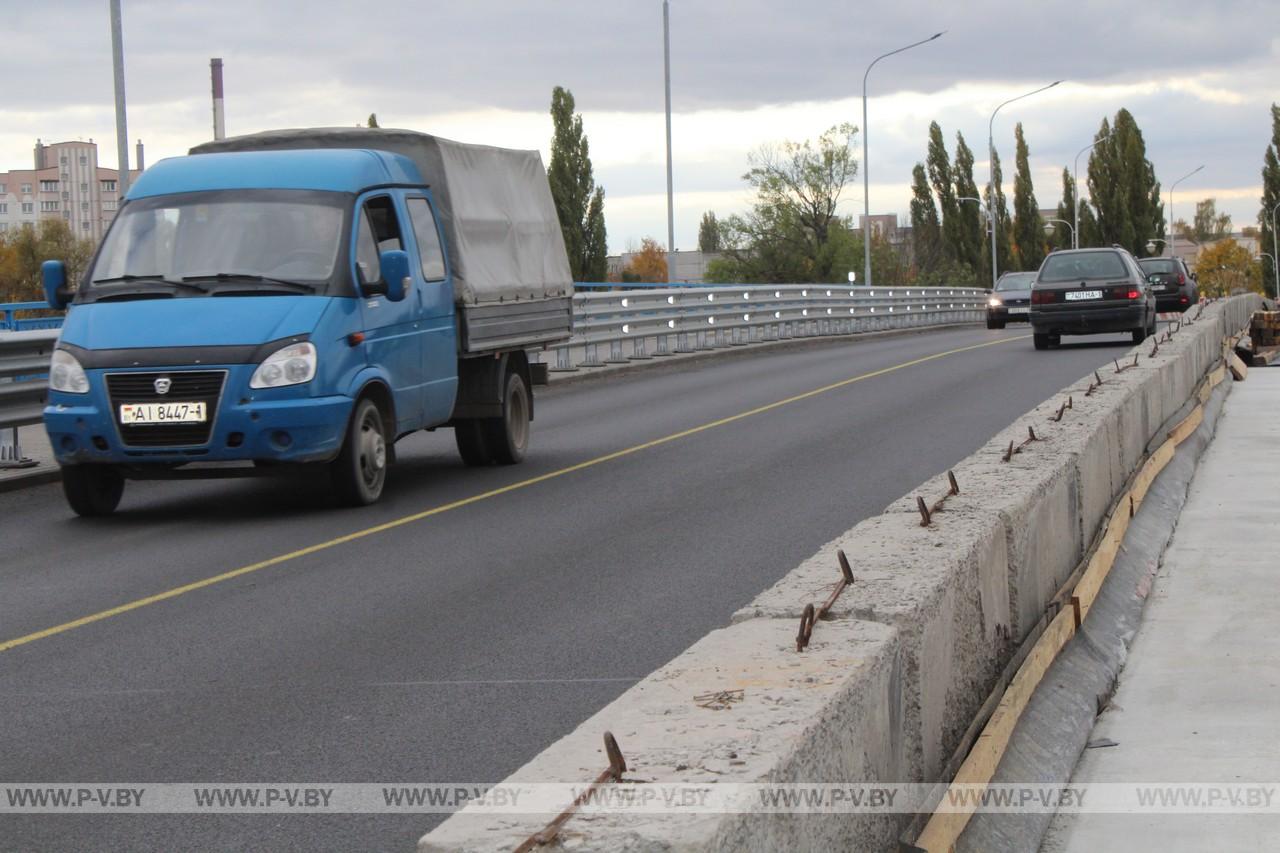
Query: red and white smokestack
x,y
219,118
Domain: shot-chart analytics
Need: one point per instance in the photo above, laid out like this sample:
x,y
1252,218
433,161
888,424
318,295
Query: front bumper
x,y
278,425
1089,321
1004,314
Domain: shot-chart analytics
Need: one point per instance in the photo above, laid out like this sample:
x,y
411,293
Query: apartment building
x,y
68,184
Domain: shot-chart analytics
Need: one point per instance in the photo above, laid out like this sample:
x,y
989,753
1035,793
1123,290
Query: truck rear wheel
x,y
506,438
360,471
92,490
469,435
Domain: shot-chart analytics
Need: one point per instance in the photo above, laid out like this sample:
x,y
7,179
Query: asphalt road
x,y
456,645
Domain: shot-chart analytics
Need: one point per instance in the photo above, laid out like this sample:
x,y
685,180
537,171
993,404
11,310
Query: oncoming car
x,y
1090,292
1011,300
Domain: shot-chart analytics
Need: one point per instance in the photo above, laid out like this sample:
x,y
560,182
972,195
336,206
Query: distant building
x,y
68,184
685,267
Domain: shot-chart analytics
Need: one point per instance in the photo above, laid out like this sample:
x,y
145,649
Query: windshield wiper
x,y
129,277
299,286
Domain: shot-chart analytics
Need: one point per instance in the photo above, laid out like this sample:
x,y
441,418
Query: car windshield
x,y
1080,266
1016,281
1156,265
194,244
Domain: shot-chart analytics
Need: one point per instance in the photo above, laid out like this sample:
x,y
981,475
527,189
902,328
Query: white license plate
x,y
1021,309
1077,295
162,413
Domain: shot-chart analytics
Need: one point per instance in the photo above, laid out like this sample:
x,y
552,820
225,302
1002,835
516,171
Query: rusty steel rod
x,y
617,766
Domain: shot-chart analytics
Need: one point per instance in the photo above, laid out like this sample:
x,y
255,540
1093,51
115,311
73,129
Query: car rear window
x,y
1063,267
1150,265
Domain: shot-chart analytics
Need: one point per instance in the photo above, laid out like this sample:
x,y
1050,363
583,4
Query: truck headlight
x,y
66,374
290,365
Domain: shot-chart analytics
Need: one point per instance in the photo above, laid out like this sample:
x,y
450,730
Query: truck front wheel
x,y
92,490
360,471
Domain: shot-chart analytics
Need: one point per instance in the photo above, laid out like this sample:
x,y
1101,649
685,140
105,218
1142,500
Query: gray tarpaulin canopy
x,y
495,205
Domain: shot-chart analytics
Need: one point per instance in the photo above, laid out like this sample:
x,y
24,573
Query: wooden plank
x,y
1103,558
944,828
1238,369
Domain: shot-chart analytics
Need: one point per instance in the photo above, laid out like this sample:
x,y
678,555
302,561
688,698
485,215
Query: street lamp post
x,y
866,173
1049,229
1169,243
1075,183
122,131
991,184
671,211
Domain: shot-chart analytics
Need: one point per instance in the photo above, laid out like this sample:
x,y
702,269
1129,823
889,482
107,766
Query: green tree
x,y
997,209
926,231
1207,224
373,120
972,230
25,249
1090,234
1066,209
579,202
943,181
1123,188
1028,227
1270,194
786,236
709,233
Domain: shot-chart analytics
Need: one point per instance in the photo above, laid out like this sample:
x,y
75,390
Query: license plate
x,y
162,413
1021,309
1077,295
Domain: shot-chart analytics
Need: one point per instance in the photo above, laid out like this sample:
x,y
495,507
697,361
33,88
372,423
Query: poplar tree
x,y
1000,214
1066,209
926,234
1270,196
579,202
940,176
709,233
1123,189
1028,227
972,229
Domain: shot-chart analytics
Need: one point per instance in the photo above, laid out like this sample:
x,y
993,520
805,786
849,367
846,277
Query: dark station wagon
x,y
1090,292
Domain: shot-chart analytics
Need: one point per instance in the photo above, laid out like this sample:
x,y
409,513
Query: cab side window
x,y
379,232
428,237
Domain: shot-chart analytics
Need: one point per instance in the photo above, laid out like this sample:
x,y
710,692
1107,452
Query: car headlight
x,y
994,303
66,374
290,365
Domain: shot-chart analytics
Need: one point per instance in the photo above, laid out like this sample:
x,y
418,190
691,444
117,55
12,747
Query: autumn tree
x,y
23,251
579,202
647,265
1227,266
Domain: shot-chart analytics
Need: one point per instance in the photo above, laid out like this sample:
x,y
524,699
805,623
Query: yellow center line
x,y
443,508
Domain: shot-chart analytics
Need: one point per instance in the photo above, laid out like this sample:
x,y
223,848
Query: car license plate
x,y
1077,295
162,413
1021,309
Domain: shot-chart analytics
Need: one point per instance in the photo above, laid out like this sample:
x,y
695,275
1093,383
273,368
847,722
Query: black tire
x,y
1139,335
995,324
506,438
360,471
470,438
1152,329
1055,340
92,490
1040,340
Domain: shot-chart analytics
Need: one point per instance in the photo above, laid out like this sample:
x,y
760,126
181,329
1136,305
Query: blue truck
x,y
306,298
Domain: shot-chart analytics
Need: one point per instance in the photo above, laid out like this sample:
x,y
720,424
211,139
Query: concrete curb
x,y
958,597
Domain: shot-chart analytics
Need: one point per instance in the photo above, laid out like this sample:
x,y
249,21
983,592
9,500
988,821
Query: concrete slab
x,y
1197,698
828,714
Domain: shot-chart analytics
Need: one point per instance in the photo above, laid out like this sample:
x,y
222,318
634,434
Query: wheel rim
x,y
518,416
372,457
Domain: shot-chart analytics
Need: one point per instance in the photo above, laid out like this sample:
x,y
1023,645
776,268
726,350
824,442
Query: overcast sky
x,y
1199,77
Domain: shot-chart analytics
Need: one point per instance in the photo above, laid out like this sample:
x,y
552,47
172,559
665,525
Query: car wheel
x,y
995,324
360,471
1139,335
1055,340
92,490
1040,340
507,436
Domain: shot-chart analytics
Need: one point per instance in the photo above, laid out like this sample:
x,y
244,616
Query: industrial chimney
x,y
138,157
219,118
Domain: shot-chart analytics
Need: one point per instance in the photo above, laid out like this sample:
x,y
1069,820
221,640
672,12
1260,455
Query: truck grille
x,y
185,386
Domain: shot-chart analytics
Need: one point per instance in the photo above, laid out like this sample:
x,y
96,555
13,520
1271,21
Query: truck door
x,y
435,291
392,330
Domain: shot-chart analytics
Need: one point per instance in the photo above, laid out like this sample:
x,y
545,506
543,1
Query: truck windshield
x,y
224,242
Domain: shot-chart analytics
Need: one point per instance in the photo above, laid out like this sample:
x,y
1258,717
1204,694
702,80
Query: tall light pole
x,y
671,209
866,175
991,184
1075,184
122,131
1049,229
1172,236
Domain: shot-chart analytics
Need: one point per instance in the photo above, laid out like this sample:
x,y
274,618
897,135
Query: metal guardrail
x,y
657,321
663,321
47,317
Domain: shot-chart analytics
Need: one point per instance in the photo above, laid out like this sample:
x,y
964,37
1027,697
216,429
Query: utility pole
x,y
122,131
671,210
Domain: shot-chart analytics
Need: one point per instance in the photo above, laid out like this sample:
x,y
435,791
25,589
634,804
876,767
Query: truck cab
x,y
249,312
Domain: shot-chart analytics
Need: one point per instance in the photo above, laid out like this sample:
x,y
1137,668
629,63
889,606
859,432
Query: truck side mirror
x,y
395,273
54,276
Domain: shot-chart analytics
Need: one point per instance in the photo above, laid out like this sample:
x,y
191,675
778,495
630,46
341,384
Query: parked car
x,y
1011,300
1090,292
1173,284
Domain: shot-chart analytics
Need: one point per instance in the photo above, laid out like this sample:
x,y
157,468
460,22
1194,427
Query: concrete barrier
x,y
910,651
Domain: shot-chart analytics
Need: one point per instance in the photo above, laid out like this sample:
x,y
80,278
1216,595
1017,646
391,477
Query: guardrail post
x,y
562,365
591,357
638,352
663,342
615,352
11,451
